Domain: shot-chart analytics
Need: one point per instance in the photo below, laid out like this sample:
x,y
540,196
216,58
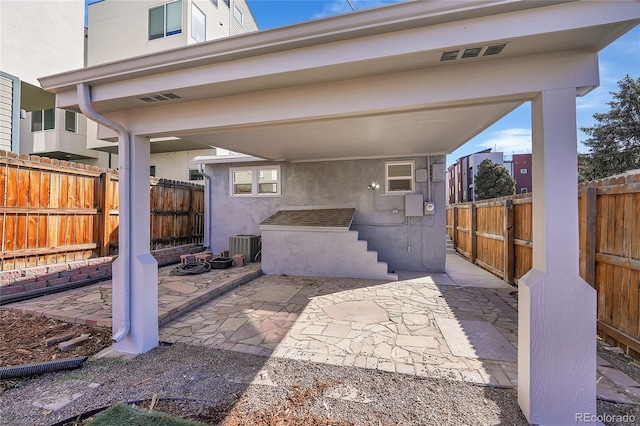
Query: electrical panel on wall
x,y
413,204
437,172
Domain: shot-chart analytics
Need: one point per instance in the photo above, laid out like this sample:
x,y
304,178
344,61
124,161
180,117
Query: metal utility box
x,y
437,172
249,245
413,204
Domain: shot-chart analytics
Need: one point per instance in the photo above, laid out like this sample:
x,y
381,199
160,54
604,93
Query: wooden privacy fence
x,y
497,235
53,211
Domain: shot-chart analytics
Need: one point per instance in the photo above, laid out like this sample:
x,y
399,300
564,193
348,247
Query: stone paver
x,y
91,305
388,326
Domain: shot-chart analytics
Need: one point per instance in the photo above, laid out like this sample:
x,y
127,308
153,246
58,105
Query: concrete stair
x,y
328,254
450,247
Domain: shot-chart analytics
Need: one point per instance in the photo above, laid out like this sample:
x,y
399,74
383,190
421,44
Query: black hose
x,y
192,268
40,367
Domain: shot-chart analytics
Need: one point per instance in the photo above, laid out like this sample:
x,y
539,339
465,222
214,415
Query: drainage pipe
x,y
27,370
207,205
124,177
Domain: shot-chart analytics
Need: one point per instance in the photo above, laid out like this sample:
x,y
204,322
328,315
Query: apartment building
x,y
126,29
461,175
44,38
36,39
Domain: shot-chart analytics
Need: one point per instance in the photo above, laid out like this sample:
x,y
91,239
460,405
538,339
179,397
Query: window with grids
x,y
399,177
255,181
165,20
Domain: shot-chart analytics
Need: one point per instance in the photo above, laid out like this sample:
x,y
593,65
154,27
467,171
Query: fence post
x,y
473,226
508,249
591,211
191,217
105,215
454,237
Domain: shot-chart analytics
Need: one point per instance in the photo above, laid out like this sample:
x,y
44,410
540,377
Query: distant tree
x,y
614,139
493,180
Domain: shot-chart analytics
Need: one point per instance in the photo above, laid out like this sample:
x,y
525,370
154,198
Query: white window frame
x,y
255,173
164,20
237,13
524,190
75,121
194,10
43,127
388,178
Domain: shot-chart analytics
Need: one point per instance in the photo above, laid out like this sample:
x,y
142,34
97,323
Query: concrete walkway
x,y
461,325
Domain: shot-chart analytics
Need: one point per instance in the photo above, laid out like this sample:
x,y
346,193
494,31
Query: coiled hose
x,y
192,268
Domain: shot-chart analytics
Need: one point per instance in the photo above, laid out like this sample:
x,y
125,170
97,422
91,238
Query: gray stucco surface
x,y
409,244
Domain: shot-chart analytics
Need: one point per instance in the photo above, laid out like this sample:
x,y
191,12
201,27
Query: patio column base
x,y
556,347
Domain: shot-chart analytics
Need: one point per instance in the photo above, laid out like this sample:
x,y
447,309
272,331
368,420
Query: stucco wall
x,y
339,184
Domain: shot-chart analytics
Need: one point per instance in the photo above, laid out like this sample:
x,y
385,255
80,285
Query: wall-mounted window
x,y
43,120
152,171
523,190
70,121
399,177
165,20
523,171
237,13
215,2
195,175
227,2
198,24
255,181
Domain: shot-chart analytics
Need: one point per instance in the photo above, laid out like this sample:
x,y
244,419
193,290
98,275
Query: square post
x,y
135,263
557,309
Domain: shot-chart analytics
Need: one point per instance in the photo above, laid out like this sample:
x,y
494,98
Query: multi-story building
x,y
461,175
36,39
119,30
44,38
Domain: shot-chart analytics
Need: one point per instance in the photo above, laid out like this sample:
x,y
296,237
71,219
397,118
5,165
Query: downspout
x,y
207,205
84,102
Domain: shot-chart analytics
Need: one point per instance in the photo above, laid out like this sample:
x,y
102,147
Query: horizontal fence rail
x,y
53,211
497,236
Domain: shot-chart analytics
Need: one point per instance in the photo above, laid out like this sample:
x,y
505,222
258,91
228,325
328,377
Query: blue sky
x,y
510,135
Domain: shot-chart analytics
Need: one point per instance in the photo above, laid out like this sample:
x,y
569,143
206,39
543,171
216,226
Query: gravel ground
x,y
218,381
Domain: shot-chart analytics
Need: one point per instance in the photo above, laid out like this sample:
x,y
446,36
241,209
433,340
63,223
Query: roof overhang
x,y
363,85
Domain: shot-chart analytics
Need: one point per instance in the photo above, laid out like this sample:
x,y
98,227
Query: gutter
x,y
207,206
124,155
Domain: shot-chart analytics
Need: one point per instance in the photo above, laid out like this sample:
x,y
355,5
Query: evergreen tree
x,y
614,139
492,181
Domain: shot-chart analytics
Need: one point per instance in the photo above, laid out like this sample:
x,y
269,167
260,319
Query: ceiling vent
x,y
159,97
472,52
494,49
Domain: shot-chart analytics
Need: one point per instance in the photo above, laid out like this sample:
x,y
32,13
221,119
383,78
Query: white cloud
x,y
509,141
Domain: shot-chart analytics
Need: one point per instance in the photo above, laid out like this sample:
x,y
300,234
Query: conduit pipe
x,y
124,177
207,206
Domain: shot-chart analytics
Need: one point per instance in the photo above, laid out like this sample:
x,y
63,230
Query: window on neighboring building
x,y
70,121
523,190
237,13
215,2
399,176
255,181
152,171
165,20
227,2
198,24
523,171
43,120
195,175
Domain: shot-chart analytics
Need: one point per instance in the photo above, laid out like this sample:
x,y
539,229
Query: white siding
x,y
6,112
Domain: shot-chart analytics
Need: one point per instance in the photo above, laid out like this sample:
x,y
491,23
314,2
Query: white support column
x,y
135,263
557,309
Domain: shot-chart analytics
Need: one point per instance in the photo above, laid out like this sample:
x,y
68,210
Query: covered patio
x,y
413,79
